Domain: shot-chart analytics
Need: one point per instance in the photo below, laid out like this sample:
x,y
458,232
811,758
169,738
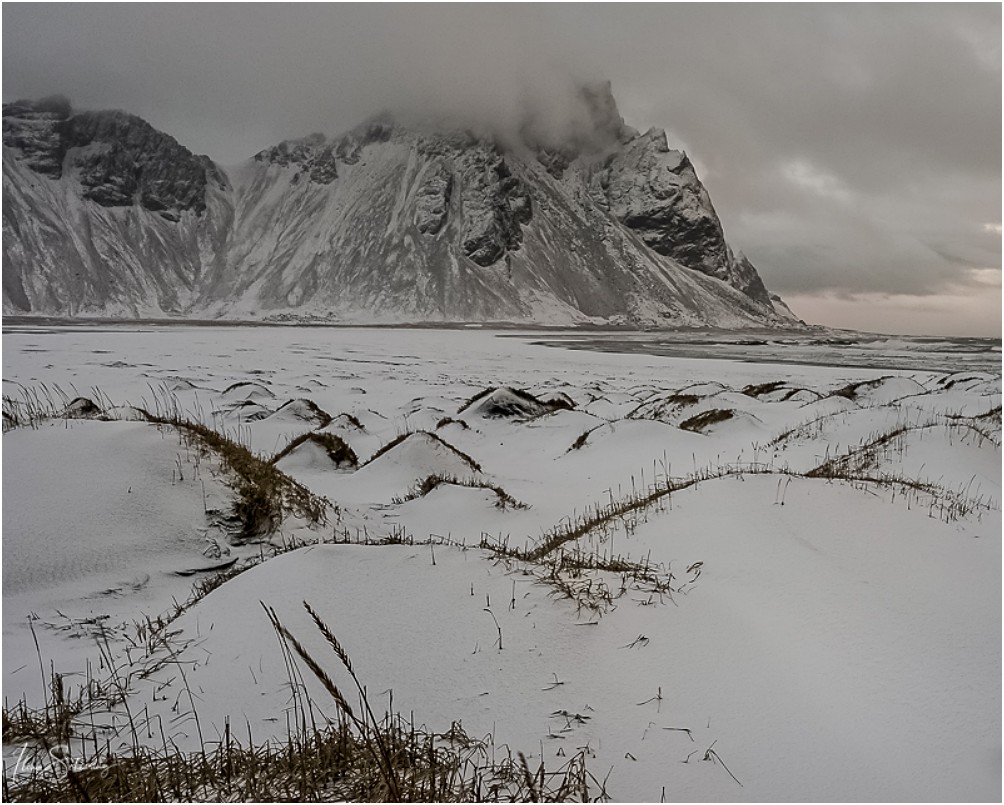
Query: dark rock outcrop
x,y
312,155
118,158
556,160
495,205
744,276
35,130
580,220
432,204
654,191
512,403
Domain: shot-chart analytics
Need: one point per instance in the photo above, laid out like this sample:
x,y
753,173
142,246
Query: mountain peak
x,y
588,123
116,158
56,105
569,216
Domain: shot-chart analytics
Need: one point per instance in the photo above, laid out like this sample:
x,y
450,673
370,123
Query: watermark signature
x,y
54,763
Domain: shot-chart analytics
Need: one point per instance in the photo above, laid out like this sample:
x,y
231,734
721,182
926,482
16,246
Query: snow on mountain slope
x,y
387,223
66,255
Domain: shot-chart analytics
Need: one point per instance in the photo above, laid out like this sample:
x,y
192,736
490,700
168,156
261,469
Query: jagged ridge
x,y
388,222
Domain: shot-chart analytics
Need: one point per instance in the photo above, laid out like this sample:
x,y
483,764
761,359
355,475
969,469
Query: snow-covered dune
x,y
726,580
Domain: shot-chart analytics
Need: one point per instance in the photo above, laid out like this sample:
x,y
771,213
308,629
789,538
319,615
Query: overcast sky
x,y
853,152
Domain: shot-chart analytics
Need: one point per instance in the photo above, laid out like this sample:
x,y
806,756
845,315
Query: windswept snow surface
x,y
831,630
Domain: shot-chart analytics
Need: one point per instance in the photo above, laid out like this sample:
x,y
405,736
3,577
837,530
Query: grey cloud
x,y
956,259
214,71
849,148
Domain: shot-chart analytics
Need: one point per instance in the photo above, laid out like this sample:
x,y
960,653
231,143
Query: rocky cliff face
x,y
34,130
116,158
495,205
654,191
388,222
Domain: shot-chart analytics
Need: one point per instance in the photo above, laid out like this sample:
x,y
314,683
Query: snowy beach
x,y
722,579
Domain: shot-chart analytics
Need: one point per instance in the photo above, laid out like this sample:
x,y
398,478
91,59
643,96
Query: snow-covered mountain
x,y
390,222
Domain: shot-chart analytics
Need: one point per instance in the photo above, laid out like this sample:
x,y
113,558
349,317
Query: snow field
x,y
834,637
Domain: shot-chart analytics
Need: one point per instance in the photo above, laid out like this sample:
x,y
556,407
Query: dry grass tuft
x,y
468,460
338,451
471,400
531,405
354,757
851,390
449,420
706,419
503,500
264,493
763,388
317,414
580,442
352,419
